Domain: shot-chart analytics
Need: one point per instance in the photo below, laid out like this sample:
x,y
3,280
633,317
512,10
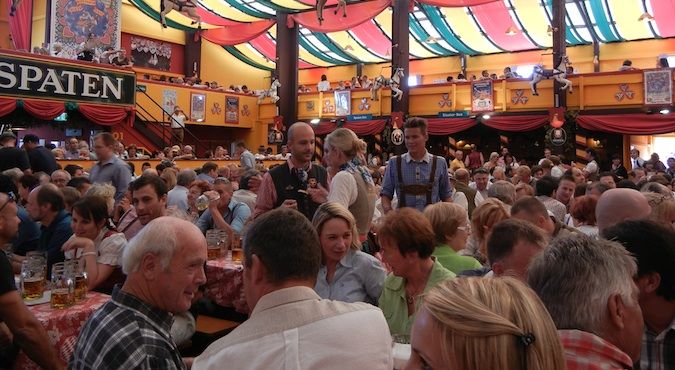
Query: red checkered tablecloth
x,y
62,326
225,284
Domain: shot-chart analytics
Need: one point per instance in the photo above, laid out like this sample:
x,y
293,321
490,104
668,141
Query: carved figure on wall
x,y
271,92
558,74
186,7
394,83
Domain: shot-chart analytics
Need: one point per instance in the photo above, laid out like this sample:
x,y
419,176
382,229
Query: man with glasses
x,y
27,331
224,212
73,151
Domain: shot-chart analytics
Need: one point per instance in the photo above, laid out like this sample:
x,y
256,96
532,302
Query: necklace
x,y
411,299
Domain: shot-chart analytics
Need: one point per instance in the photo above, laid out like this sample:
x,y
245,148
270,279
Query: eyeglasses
x,y
10,198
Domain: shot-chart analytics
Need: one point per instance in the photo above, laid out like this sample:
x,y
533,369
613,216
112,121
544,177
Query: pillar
x,y
400,53
559,45
193,54
287,69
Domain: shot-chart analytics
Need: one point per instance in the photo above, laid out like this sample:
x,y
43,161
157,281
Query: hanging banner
x,y
73,20
150,53
658,87
24,75
482,93
169,100
197,107
231,109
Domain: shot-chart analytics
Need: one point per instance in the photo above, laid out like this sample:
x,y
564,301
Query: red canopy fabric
x,y
495,20
237,34
456,3
358,13
7,106
267,47
105,115
631,124
516,123
208,16
44,109
324,128
20,24
447,126
363,128
661,9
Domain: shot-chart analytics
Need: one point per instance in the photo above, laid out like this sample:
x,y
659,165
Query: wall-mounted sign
x,y
29,77
457,114
397,136
197,107
343,102
231,109
658,87
482,93
360,117
558,136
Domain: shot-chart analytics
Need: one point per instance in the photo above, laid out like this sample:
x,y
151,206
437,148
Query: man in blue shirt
x,y
417,177
246,158
46,204
109,168
224,213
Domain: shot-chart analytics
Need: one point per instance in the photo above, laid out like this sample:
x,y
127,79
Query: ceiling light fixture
x,y
486,116
511,31
315,121
432,40
551,29
664,111
348,47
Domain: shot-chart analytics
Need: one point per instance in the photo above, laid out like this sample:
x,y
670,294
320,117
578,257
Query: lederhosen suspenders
x,y
416,189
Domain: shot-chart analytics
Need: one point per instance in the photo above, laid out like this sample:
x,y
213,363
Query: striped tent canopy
x,y
437,27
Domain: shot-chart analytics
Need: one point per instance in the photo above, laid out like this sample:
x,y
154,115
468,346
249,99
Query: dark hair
x,y
78,182
566,177
626,184
600,187
536,168
480,170
241,144
506,234
607,173
653,245
150,179
414,122
146,164
70,195
580,190
592,153
627,62
29,182
583,209
410,230
244,179
50,194
529,205
323,78
107,138
7,185
93,208
72,168
293,253
209,166
546,186
30,138
132,167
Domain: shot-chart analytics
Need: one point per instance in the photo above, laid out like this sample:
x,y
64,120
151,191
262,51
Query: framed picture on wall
x,y
231,109
343,102
658,87
197,107
482,93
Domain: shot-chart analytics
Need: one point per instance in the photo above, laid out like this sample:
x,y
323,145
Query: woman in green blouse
x,y
407,241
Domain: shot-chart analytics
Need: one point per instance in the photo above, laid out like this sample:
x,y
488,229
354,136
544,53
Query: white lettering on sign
x,y
52,80
11,79
89,82
26,78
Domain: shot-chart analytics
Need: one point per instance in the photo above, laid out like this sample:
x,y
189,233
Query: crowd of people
x,y
483,264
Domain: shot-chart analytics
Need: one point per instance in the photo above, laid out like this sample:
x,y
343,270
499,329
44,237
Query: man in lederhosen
x,y
417,177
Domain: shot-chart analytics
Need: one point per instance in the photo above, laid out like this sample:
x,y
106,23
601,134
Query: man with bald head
x,y
616,205
462,186
164,265
287,185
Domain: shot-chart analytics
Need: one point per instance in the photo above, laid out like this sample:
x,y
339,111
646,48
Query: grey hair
x,y
157,237
575,277
221,181
504,191
13,173
186,177
68,177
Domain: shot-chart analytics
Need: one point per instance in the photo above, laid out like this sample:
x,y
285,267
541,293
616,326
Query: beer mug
x,y
80,277
237,251
63,286
213,244
33,271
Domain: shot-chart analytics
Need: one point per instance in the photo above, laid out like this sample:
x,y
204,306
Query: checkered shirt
x,y
126,333
586,351
658,350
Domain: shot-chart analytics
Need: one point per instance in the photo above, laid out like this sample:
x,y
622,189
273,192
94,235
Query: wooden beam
x,y
400,52
287,69
559,47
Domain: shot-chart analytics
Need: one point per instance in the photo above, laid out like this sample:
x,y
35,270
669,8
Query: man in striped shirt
x,y
164,265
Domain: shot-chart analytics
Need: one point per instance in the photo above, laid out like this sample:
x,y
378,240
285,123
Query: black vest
x,y
288,186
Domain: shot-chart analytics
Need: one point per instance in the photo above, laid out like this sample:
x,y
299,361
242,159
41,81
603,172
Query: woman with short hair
x,y
451,230
407,242
346,273
479,323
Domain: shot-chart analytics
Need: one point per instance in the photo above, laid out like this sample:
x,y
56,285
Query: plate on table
x,y
46,297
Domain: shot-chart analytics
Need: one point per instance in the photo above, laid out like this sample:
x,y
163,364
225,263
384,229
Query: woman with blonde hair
x,y
352,185
663,209
451,230
477,323
483,218
346,273
169,177
105,191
